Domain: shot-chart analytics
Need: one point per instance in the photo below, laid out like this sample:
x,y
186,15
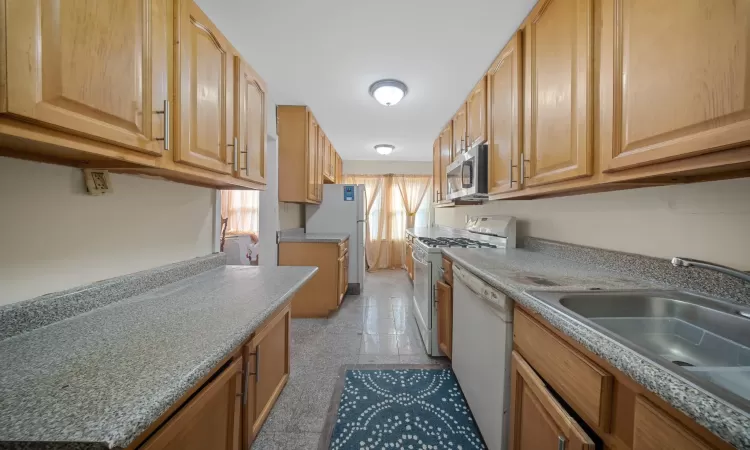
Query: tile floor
x,y
376,327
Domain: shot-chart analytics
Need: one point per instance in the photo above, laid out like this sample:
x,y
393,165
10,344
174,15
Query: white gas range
x,y
488,232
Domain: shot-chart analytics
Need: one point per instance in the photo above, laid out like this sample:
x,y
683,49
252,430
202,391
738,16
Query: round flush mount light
x,y
388,92
384,149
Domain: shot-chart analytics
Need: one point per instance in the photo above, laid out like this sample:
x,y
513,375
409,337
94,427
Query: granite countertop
x,y
515,271
99,379
314,237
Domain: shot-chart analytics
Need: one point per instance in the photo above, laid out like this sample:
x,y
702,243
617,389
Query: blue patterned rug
x,y
404,409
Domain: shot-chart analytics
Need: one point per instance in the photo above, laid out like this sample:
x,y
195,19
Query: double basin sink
x,y
702,339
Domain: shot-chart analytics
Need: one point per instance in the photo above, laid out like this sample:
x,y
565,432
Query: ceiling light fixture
x,y
384,149
388,92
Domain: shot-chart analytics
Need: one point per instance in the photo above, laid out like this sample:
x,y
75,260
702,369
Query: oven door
x,y
423,293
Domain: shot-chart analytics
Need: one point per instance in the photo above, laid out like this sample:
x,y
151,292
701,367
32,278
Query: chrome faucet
x,y
687,262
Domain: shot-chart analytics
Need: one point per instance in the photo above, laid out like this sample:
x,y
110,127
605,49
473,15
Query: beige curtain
x,y
242,210
392,202
412,190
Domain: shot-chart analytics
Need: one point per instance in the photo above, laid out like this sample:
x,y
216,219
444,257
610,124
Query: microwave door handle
x,y
464,184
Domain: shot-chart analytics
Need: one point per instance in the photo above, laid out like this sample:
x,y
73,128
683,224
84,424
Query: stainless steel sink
x,y
703,339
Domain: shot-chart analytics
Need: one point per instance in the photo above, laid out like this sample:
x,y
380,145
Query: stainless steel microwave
x,y
467,175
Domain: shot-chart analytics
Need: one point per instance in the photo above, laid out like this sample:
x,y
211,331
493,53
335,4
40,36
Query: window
x,y
242,210
422,219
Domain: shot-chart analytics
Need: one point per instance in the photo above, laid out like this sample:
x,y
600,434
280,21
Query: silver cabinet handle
x,y
510,170
235,161
257,364
247,382
561,443
523,169
247,166
167,121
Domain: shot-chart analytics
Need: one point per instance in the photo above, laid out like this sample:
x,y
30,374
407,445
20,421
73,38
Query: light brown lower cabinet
x,y
564,396
655,430
537,420
445,317
211,419
267,361
343,276
230,405
323,294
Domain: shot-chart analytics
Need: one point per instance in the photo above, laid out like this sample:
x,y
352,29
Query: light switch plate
x,y
97,181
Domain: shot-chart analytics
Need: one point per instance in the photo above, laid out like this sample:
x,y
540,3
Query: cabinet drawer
x,y
653,429
583,384
448,271
343,247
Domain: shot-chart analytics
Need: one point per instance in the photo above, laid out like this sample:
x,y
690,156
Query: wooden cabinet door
x,y
312,158
460,136
436,165
250,107
343,282
97,69
476,119
267,370
206,80
211,419
558,41
445,317
655,430
320,161
674,80
446,157
326,157
504,108
537,420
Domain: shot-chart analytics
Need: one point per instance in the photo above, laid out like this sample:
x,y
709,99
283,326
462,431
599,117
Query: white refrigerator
x,y
343,211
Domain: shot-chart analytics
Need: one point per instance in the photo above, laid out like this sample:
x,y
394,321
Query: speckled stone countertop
x,y
99,379
315,237
515,271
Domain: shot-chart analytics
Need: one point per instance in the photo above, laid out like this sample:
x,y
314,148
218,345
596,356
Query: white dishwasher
x,y
482,344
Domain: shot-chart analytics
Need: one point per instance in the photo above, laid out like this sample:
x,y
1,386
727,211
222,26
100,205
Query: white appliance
x,y
480,232
343,211
482,345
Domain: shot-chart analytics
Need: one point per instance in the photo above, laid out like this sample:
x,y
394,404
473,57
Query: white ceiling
x,y
326,53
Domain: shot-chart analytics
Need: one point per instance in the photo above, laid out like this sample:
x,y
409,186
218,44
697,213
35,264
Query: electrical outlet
x,y
97,181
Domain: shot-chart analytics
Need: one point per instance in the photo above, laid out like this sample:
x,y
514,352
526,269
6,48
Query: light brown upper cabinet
x,y
674,79
558,125
436,172
446,157
95,69
300,155
460,136
327,165
250,117
476,119
504,108
312,159
206,84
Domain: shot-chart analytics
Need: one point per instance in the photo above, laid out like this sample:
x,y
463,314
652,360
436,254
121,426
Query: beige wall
x,y
704,220
383,167
54,236
291,215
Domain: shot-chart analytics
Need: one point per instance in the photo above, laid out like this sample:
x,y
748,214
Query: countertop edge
x,y
314,240
203,369
701,406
